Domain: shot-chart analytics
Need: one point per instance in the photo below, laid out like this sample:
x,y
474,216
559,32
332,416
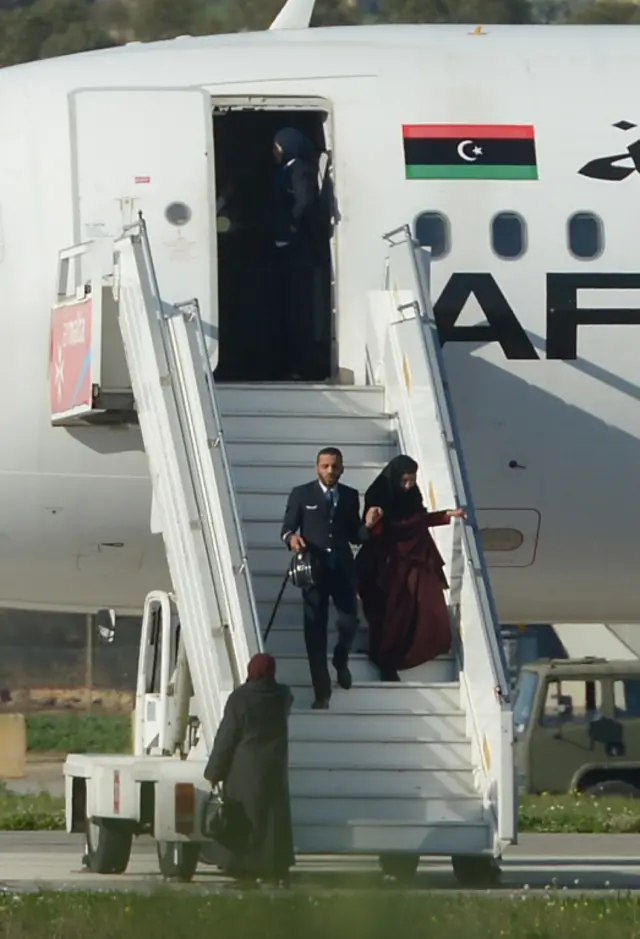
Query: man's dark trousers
x,y
335,582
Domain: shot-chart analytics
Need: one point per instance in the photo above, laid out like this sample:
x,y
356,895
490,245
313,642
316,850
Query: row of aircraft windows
x,y
585,235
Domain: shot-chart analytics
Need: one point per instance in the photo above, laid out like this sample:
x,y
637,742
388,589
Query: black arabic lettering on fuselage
x,y
563,315
607,168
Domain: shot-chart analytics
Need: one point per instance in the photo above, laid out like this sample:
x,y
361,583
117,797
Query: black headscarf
x,y
387,493
294,145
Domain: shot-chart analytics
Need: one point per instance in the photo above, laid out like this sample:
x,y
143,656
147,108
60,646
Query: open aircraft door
x,y
137,150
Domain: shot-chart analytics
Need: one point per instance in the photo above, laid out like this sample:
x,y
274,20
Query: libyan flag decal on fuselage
x,y
470,151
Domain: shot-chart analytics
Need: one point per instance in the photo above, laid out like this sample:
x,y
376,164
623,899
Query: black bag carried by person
x,y
225,821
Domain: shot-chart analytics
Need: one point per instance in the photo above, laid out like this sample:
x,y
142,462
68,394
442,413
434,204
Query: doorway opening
x,y
250,319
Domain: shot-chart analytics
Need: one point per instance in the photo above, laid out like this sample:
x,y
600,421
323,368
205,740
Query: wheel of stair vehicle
x,y
399,865
476,870
178,860
107,847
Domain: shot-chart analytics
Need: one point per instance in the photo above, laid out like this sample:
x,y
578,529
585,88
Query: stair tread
x,y
250,490
418,795
310,441
297,386
293,737
389,823
342,712
357,656
376,768
394,685
295,464
318,415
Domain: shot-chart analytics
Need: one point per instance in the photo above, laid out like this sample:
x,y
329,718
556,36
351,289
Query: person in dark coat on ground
x,y
400,574
298,251
250,759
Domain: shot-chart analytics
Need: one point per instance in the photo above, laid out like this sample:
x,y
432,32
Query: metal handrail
x,y
457,468
226,468
141,229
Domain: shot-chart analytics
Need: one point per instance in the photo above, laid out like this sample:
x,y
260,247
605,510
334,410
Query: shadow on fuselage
x,y
579,473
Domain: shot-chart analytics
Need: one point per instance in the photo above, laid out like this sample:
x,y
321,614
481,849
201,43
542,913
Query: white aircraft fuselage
x,y
550,426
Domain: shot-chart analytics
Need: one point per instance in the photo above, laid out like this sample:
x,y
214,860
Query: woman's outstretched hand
x,y
373,516
456,513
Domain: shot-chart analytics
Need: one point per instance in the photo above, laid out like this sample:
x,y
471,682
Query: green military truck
x,y
577,727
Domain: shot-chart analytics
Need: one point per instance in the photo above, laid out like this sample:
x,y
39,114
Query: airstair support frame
x,y
194,499
163,687
404,355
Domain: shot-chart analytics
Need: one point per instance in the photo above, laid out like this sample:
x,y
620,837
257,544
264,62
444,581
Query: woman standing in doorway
x,y
250,759
401,574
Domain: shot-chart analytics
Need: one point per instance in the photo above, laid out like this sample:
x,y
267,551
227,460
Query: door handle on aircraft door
x,y
513,464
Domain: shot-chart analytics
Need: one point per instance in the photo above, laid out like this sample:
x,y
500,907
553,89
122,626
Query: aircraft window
x,y
177,213
501,539
586,236
432,231
509,235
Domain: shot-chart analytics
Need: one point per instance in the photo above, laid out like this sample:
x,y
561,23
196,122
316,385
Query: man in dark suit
x,y
323,517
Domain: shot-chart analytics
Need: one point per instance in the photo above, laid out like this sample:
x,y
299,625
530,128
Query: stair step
x,y
285,426
300,398
305,450
407,754
262,502
389,697
263,526
372,726
290,640
293,669
289,612
341,809
374,837
279,475
341,780
282,643
269,558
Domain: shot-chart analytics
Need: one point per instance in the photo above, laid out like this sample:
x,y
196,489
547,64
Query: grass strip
x,y
579,814
360,915
79,733
30,813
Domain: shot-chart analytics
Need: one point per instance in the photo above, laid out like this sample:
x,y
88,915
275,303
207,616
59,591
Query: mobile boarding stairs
x,y
398,771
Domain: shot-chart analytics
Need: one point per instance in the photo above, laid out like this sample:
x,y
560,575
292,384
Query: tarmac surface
x,y
591,864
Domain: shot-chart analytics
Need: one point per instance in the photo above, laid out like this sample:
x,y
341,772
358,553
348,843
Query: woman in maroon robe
x,y
401,576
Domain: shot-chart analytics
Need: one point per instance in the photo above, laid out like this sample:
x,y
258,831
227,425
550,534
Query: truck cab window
x,y
525,694
574,702
626,698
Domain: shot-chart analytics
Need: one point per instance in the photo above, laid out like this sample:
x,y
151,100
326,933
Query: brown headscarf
x,y
261,666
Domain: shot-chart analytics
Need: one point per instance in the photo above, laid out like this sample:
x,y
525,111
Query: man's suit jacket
x,y
308,514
